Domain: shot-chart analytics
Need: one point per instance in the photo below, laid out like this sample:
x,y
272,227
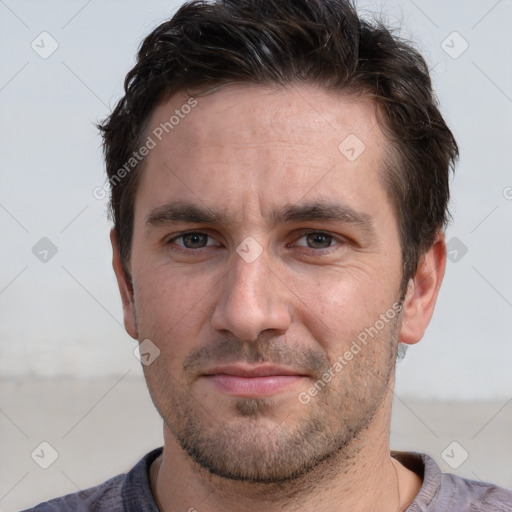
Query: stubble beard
x,y
250,448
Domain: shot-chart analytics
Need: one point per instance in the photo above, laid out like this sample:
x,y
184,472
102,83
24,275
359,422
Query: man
x,y
279,182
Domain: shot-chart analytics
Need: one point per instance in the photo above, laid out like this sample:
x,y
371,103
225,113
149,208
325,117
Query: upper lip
x,y
245,370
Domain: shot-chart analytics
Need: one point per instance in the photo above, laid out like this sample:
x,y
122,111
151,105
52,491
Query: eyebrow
x,y
183,211
324,211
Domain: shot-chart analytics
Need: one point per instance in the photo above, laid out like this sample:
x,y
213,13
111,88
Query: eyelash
x,y
186,250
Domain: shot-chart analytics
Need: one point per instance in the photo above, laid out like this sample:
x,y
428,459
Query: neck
x,y
363,477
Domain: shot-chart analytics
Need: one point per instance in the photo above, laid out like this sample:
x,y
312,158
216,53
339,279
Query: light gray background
x,y
62,319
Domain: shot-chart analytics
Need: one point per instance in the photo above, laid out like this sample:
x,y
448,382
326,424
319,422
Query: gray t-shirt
x,y
440,492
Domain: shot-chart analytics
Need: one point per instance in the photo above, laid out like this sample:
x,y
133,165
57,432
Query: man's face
x,y
292,252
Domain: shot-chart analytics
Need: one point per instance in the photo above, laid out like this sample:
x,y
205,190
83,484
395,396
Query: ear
x,y
125,288
422,292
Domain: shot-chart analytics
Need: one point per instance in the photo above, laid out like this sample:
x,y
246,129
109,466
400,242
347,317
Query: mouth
x,y
248,381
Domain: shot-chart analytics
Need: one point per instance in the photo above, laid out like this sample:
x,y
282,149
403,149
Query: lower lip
x,y
239,386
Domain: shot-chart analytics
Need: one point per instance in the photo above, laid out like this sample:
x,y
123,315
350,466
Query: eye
x,y
316,240
192,240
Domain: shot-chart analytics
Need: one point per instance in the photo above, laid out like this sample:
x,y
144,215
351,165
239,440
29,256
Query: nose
x,y
252,299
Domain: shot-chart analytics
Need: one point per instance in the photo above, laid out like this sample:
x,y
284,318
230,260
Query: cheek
x,y
170,305
339,306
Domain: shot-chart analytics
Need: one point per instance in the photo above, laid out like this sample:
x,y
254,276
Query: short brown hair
x,y
283,42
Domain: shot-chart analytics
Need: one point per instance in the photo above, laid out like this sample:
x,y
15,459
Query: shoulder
x,y
445,491
122,493
475,495
106,496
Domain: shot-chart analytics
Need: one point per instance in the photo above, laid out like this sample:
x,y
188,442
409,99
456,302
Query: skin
x,y
246,151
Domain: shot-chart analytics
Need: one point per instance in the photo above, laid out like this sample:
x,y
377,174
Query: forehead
x,y
255,144
257,114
